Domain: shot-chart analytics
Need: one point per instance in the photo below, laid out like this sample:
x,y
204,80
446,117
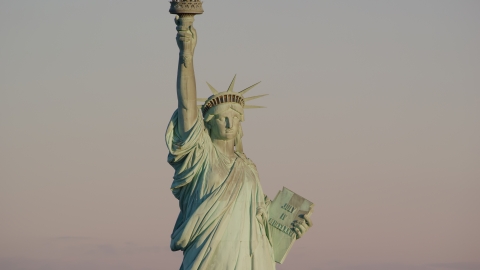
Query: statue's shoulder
x,y
245,159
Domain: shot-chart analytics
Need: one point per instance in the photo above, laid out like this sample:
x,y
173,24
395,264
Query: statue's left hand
x,y
262,215
302,226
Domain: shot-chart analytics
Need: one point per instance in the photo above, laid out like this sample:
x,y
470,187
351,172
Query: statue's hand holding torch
x,y
186,35
185,10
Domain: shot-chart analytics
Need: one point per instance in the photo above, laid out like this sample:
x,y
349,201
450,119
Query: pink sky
x,y
373,115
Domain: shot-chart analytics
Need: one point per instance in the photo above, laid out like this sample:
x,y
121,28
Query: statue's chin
x,y
224,137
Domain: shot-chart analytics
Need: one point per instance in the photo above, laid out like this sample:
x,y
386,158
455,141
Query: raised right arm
x,y
186,87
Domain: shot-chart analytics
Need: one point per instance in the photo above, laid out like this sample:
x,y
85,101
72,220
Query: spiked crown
x,y
228,96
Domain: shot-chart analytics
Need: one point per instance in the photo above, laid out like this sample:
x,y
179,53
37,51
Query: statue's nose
x,y
228,123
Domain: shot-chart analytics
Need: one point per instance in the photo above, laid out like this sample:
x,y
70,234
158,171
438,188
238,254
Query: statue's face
x,y
225,125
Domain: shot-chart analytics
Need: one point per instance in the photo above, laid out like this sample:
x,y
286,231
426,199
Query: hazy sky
x,y
373,114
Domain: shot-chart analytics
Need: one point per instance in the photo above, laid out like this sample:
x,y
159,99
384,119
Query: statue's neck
x,y
226,147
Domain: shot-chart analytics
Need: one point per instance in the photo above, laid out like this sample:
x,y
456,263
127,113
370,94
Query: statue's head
x,y
223,121
223,113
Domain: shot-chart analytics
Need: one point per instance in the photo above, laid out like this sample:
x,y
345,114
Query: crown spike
x,y
214,91
255,97
244,91
230,88
253,107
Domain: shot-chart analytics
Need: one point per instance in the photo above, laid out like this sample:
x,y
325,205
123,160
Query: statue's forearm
x,y
186,94
186,87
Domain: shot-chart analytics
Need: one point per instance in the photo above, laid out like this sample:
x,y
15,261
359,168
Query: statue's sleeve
x,y
187,154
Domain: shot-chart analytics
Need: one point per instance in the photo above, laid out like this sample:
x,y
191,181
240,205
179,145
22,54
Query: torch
x,y
185,10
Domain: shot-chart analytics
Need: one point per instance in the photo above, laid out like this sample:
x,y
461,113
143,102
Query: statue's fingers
x,y
193,31
177,19
297,232
268,202
261,215
180,33
302,228
308,220
300,222
264,215
184,32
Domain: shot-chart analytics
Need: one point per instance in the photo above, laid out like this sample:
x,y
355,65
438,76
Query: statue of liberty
x,y
222,223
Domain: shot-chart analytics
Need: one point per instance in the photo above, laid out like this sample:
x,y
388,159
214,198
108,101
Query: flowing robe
x,y
219,197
